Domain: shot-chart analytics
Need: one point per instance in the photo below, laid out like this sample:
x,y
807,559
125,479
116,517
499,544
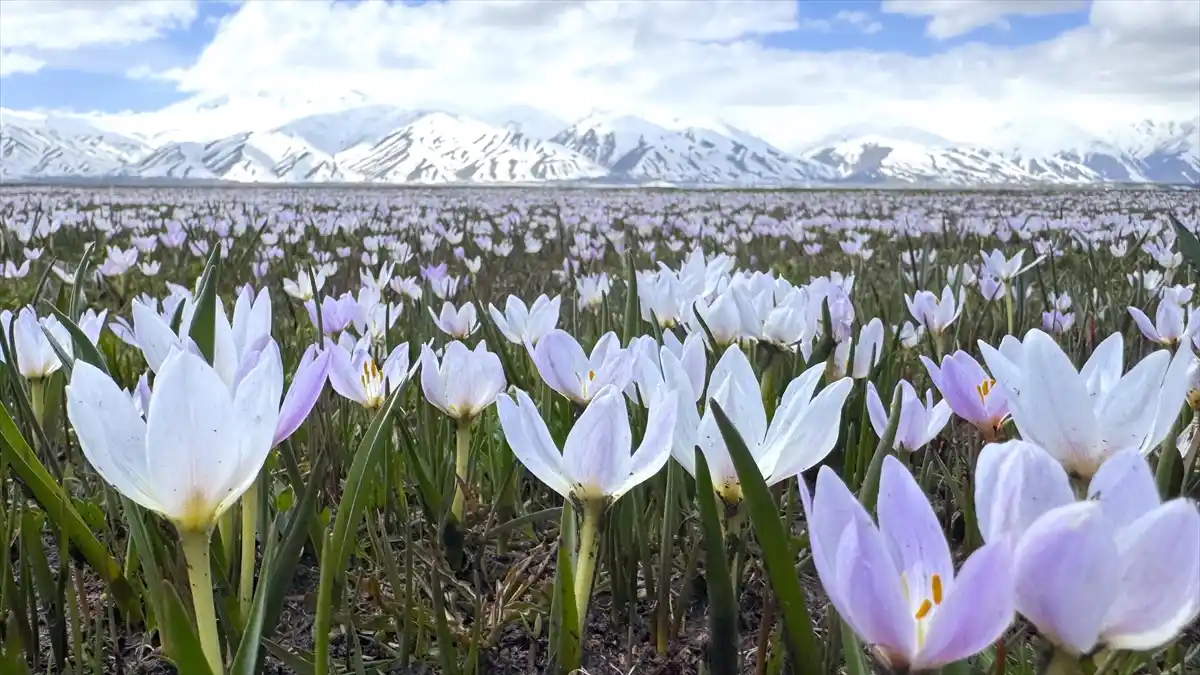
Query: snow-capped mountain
x,y
1019,154
685,151
268,137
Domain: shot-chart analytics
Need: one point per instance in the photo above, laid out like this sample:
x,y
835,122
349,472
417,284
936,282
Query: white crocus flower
x,y
465,382
520,324
802,433
1170,323
200,446
566,369
1083,417
596,463
36,358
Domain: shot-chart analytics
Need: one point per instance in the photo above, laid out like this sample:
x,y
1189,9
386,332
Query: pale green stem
x,y
1008,307
250,510
37,399
1062,663
226,527
585,568
462,456
195,552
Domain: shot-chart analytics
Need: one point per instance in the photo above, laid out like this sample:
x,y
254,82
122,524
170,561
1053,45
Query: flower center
x,y
925,609
373,384
984,388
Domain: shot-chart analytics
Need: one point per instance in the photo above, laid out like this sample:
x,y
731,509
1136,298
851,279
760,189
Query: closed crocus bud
x,y
566,369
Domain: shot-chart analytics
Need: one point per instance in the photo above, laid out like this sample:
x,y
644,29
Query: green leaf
x,y
278,569
204,319
77,284
336,549
53,500
84,349
631,298
777,551
722,607
869,493
1189,246
186,652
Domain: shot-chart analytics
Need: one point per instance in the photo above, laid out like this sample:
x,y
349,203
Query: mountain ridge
x,y
353,140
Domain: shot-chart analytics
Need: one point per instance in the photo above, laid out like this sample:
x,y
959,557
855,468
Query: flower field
x,y
477,432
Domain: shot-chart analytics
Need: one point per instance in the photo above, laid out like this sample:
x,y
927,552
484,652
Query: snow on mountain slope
x,y
440,147
261,157
286,136
685,151
33,145
878,159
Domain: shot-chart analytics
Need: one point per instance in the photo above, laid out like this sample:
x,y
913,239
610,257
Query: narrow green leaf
x,y
186,653
869,493
58,507
77,284
204,318
276,577
777,551
83,348
1189,246
722,607
335,550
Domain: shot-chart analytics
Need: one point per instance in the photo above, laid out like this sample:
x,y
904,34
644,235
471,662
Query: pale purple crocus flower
x,y
465,382
895,585
336,313
1169,326
457,323
920,422
355,375
520,324
566,369
1057,322
970,392
1117,570
934,312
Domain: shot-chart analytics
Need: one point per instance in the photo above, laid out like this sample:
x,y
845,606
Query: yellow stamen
x,y
591,375
984,388
924,609
936,581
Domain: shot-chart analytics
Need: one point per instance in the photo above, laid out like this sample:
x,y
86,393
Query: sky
x,y
789,70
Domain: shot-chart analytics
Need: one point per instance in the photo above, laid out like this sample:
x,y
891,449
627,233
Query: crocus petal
x,y
192,437
1067,570
111,433
1125,488
345,379
977,610
1160,578
153,335
530,441
871,592
912,532
1144,324
655,448
256,405
302,395
1015,483
813,434
592,454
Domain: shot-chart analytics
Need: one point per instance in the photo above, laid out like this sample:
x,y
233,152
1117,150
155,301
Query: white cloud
x,y
1136,59
16,62
858,21
33,30
952,18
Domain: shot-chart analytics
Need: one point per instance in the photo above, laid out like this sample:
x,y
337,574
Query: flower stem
x,y
585,567
1062,663
37,400
195,552
462,455
1008,308
249,534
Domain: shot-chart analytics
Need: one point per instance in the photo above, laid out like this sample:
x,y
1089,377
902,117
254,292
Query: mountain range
x,y
266,138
